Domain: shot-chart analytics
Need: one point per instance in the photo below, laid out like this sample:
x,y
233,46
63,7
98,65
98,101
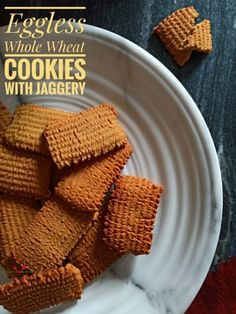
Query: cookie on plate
x,y
28,124
39,291
131,214
24,173
16,213
92,255
50,237
90,133
85,187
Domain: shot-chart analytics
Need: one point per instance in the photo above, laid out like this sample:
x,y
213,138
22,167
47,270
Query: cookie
x,y
92,255
28,124
50,237
131,215
85,187
90,133
200,38
5,120
16,214
174,30
24,173
47,288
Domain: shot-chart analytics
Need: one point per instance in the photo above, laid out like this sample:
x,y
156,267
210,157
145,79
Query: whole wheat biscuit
x,y
90,133
16,214
200,38
5,120
85,187
24,173
131,215
28,124
50,237
174,30
39,291
92,255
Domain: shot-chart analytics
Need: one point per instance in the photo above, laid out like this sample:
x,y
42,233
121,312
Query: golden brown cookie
x,y
50,237
90,133
47,288
131,215
28,124
85,187
174,30
92,255
16,214
200,38
5,120
24,173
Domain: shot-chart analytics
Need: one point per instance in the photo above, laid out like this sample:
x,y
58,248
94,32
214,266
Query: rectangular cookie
x,y
92,255
50,237
24,173
16,213
131,213
85,187
28,124
88,134
5,120
31,294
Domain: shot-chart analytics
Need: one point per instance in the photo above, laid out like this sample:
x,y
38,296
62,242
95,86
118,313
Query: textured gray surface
x,y
210,80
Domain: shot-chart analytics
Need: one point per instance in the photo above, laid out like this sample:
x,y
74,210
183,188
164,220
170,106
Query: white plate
x,y
172,146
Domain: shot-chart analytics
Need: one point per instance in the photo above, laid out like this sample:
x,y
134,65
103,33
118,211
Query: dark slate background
x,y
210,80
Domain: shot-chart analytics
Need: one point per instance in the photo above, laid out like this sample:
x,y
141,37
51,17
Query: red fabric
x,y
218,293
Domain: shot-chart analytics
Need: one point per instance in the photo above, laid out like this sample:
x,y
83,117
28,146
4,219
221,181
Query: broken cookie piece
x,y
181,36
174,30
200,38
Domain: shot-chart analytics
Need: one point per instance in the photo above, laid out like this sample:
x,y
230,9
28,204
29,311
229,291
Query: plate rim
x,y
193,111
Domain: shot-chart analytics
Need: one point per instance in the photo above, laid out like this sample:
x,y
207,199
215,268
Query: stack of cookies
x,y
181,36
66,212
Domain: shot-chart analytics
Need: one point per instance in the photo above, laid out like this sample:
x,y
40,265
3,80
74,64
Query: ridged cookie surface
x,y
90,133
47,288
200,38
131,215
28,124
51,236
24,173
174,30
87,184
92,255
16,213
